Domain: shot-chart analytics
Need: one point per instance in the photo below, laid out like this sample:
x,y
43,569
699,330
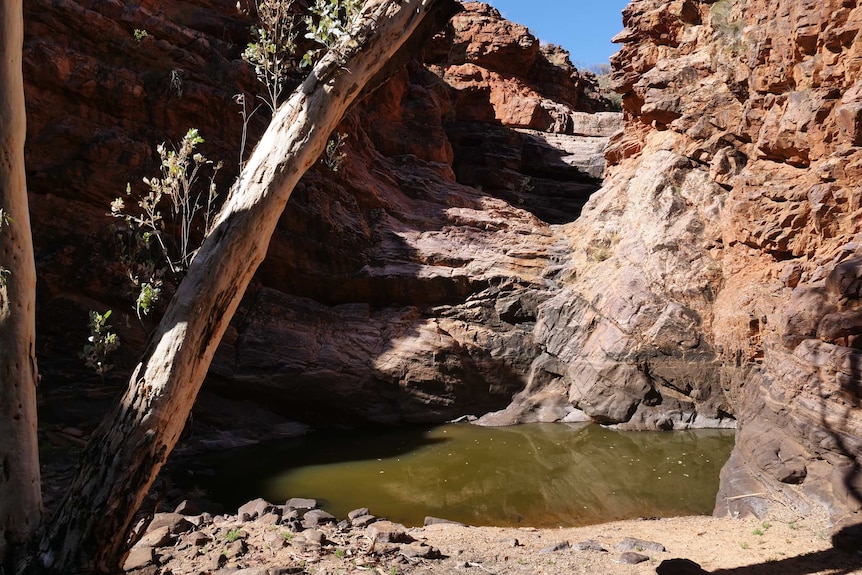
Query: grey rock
x,y
362,511
632,544
589,545
632,558
300,503
388,532
316,517
255,508
363,520
438,521
420,550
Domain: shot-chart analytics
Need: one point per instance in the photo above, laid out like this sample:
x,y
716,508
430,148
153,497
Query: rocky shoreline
x,y
301,538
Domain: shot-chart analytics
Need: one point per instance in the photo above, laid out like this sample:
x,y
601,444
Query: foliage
x,y
140,34
328,22
5,220
191,207
273,47
333,156
102,342
233,535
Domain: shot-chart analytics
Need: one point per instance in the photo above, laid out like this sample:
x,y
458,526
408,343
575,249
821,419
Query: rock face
x,y
461,261
715,274
402,287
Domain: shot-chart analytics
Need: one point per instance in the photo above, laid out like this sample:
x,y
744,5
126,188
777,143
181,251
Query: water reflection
x,y
538,475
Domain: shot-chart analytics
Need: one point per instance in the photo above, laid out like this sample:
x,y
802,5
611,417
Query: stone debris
x,y
589,545
632,558
632,544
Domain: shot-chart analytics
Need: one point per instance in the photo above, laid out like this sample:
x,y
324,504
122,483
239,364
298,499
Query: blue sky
x,y
583,27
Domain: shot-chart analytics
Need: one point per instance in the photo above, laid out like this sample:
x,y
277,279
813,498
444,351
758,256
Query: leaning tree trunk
x,y
126,452
20,495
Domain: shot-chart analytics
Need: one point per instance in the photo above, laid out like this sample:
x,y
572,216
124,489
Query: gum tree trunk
x,y
20,495
126,452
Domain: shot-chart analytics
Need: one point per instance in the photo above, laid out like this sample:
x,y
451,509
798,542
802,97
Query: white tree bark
x,y
126,452
20,493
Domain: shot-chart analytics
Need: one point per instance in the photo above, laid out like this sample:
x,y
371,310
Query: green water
x,y
531,475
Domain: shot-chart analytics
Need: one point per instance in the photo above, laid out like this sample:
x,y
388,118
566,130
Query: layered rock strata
x,y
401,287
716,271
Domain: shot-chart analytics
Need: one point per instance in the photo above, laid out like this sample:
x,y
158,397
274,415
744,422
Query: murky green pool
x,y
533,475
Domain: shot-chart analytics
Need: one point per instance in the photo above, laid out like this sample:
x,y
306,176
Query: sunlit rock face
x,y
715,275
403,286
460,259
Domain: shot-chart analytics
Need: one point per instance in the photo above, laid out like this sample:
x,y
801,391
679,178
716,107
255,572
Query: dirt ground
x,y
722,546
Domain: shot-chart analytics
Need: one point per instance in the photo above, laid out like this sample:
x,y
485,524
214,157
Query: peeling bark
x,y
20,494
126,452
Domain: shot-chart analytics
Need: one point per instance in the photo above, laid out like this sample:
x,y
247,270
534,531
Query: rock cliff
x,y
461,260
402,287
727,233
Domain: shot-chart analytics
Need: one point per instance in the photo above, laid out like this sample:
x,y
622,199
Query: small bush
x,y
102,342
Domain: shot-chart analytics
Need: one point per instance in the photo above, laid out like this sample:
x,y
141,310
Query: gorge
x,y
466,258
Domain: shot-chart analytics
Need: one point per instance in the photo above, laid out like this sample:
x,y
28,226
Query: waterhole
x,y
538,475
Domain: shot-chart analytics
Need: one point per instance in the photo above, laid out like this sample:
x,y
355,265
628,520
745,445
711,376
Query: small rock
x,y
138,558
361,512
300,503
314,537
215,562
269,519
188,507
438,521
632,544
316,517
194,539
680,567
176,523
632,558
274,539
255,508
343,525
200,520
589,545
388,532
235,549
420,550
511,542
559,546
158,537
363,521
